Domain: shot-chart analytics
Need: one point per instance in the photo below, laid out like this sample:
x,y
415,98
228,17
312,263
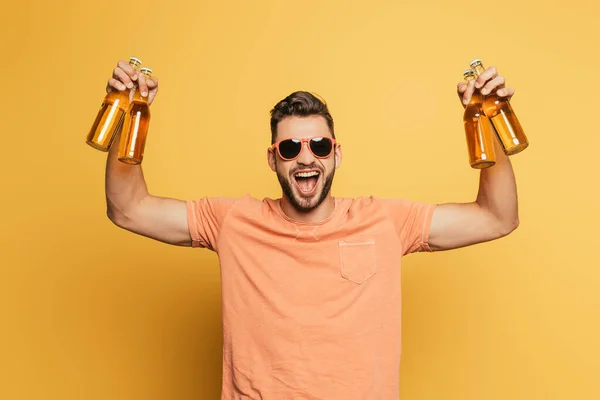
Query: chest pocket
x,y
358,259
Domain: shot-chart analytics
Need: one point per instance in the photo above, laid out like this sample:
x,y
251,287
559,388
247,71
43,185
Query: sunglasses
x,y
290,149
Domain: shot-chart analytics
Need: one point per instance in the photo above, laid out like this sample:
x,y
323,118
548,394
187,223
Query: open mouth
x,y
306,182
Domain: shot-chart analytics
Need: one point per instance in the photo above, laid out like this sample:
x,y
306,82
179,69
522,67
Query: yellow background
x,y
89,311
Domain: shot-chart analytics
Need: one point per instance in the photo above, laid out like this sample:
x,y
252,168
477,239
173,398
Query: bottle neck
x,y
137,95
135,64
476,97
479,69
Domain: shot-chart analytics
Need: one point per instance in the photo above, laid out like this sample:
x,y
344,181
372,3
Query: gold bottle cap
x,y
468,74
146,71
135,62
475,62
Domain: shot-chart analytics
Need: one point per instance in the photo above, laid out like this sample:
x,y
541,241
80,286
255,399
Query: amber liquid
x,y
505,122
108,121
507,125
480,135
135,130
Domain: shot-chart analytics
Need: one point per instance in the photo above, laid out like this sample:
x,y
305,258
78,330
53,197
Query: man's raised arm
x,y
128,203
494,213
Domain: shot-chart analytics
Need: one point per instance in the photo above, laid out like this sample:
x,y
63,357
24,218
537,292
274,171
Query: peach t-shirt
x,y
310,310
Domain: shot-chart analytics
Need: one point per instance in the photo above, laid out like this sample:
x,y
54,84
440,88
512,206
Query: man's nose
x,y
306,156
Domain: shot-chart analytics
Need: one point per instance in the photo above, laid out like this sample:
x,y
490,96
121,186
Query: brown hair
x,y
299,104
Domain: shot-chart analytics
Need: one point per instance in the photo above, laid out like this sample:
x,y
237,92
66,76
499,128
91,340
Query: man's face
x,y
306,181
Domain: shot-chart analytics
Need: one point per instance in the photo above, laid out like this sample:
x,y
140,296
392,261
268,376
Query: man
x,y
311,283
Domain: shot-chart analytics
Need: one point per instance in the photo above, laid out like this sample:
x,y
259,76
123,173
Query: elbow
x,y
115,217
507,227
118,218
124,216
119,213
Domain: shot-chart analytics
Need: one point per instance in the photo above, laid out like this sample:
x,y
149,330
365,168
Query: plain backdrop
x,y
89,311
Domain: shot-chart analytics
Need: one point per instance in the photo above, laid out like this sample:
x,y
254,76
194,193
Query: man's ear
x,y
338,156
271,158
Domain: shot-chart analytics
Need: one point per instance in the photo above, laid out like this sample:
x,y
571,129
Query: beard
x,y
302,203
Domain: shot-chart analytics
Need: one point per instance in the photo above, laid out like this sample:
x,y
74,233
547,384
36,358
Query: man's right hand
x,y
124,77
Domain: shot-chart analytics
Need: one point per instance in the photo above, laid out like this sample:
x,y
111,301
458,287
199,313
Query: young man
x,y
311,283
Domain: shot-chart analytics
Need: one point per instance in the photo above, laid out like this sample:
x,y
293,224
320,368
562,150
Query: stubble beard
x,y
303,204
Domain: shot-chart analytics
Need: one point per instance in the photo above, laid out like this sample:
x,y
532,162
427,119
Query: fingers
x,y
485,76
492,85
128,69
114,84
506,92
124,76
152,83
120,75
153,86
495,83
488,82
469,88
143,85
461,88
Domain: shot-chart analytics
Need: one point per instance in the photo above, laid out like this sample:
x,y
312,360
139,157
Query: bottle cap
x,y
137,60
146,71
475,62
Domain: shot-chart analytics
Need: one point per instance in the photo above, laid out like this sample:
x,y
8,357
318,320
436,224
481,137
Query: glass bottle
x,y
505,122
135,127
478,129
110,116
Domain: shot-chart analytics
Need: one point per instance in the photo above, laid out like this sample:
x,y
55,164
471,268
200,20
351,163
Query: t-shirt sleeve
x,y
205,219
412,221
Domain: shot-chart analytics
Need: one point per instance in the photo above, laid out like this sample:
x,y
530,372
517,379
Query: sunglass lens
x,y
289,148
321,147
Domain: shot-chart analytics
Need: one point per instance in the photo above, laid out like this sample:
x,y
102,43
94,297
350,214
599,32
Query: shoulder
x,y
360,206
220,204
372,203
392,207
249,205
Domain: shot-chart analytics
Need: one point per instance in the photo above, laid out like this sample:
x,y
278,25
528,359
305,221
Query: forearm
x,y
124,185
498,192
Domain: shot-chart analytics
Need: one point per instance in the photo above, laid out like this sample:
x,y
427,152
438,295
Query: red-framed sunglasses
x,y
290,149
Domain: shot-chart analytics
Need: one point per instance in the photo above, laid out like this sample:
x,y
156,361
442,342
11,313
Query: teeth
x,y
307,174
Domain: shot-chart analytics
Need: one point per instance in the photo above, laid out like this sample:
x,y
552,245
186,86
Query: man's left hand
x,y
488,82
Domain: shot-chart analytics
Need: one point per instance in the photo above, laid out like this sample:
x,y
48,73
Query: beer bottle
x,y
110,116
135,127
505,122
478,130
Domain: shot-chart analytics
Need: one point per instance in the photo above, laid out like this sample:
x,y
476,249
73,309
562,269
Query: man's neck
x,y
318,214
